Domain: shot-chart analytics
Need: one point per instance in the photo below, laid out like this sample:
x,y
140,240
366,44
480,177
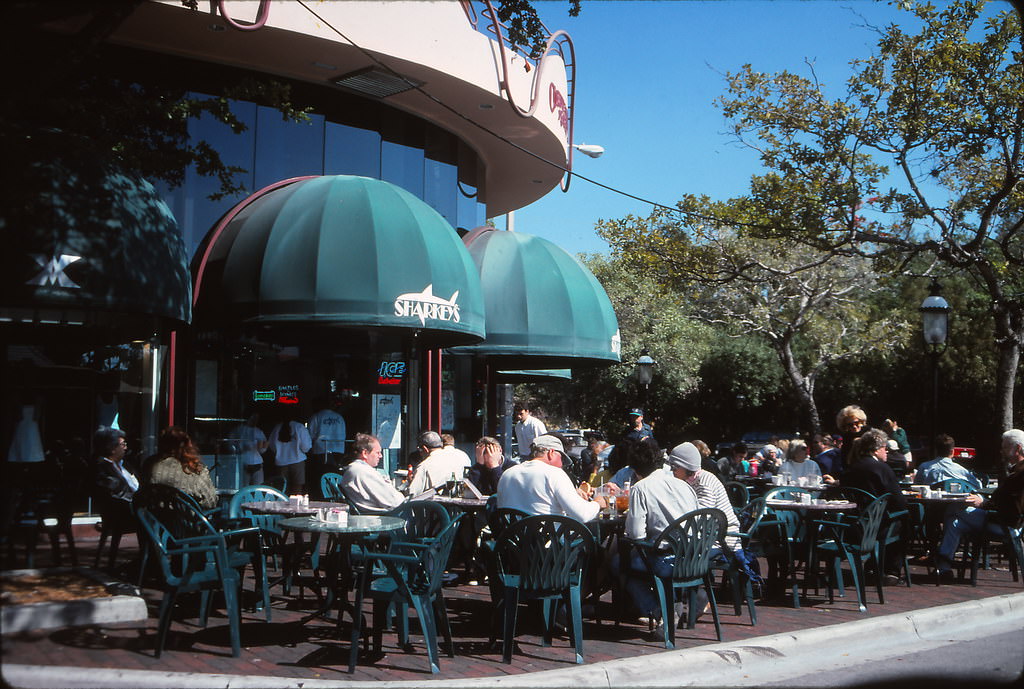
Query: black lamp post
x,y
935,325
644,374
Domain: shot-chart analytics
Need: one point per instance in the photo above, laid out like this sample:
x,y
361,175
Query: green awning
x,y
88,244
340,251
545,309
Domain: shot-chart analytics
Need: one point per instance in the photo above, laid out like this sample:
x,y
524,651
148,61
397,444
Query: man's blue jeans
x,y
970,520
639,585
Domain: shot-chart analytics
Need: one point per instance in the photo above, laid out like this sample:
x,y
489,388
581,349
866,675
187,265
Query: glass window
x,y
287,149
351,151
402,165
440,190
190,202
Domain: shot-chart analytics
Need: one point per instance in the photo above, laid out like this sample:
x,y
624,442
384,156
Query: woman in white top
x,y
291,442
797,466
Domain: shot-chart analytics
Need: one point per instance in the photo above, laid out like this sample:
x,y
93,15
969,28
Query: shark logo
x,y
52,272
424,305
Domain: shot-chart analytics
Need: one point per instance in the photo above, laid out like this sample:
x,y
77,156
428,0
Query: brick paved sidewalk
x,y
285,647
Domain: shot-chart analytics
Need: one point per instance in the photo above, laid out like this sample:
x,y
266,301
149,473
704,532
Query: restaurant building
x,y
341,275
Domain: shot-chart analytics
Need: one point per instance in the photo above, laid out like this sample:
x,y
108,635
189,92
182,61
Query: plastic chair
x,y
739,494
414,578
785,493
424,521
956,485
543,558
200,559
245,541
48,510
330,487
843,547
689,539
891,532
279,483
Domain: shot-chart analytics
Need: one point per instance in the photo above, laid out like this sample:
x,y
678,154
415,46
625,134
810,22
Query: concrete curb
x,y
75,612
723,664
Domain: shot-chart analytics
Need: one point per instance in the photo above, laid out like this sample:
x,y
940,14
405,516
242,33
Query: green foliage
x,y
525,27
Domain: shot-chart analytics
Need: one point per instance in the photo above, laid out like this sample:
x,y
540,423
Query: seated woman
x,y
180,467
797,466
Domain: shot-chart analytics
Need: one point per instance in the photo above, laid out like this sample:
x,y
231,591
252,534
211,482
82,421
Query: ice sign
x,y
390,372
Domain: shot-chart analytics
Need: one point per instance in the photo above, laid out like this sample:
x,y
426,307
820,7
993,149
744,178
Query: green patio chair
x,y
856,543
413,578
194,556
689,540
543,557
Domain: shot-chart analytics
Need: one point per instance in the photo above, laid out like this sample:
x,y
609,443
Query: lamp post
x,y
644,374
935,326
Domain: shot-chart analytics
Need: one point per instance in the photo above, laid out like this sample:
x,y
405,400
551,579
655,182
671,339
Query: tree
x,y
922,157
652,318
807,305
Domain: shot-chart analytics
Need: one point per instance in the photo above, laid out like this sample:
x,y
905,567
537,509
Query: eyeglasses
x,y
122,442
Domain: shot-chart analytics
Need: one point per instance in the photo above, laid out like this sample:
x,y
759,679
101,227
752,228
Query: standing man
x,y
327,431
540,486
638,430
1007,503
527,428
365,487
438,464
944,467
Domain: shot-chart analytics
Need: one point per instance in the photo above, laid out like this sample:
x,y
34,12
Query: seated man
x,y
364,487
709,489
539,486
490,465
944,467
655,501
1007,503
439,464
736,464
827,457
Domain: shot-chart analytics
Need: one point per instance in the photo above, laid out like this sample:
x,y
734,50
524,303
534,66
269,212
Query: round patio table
x,y
288,508
360,528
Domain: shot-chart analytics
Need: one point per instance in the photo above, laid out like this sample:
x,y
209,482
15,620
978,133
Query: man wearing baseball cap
x,y
638,430
540,486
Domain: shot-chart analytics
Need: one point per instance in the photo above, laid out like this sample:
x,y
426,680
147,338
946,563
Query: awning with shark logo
x,y
339,251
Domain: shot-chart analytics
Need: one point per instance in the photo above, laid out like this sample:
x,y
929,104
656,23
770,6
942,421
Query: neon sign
x,y
264,395
390,372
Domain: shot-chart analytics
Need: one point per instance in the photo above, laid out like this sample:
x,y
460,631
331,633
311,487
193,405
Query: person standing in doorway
x,y
291,442
528,427
327,431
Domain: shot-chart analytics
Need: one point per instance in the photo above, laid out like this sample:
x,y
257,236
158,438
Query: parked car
x,y
575,439
755,440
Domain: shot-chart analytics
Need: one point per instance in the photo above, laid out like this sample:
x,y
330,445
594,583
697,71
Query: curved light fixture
x,y
592,150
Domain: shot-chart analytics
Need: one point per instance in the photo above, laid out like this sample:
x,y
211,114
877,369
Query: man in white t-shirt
x,y
365,487
327,431
527,428
540,486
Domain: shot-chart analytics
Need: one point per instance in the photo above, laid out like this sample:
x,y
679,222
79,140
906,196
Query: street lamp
x,y
592,150
935,326
644,372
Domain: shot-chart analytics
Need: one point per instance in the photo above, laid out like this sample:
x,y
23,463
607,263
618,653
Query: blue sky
x,y
647,76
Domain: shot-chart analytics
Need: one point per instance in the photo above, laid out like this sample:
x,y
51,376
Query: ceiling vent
x,y
375,82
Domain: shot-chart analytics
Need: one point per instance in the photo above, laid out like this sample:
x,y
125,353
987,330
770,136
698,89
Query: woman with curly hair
x,y
182,468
